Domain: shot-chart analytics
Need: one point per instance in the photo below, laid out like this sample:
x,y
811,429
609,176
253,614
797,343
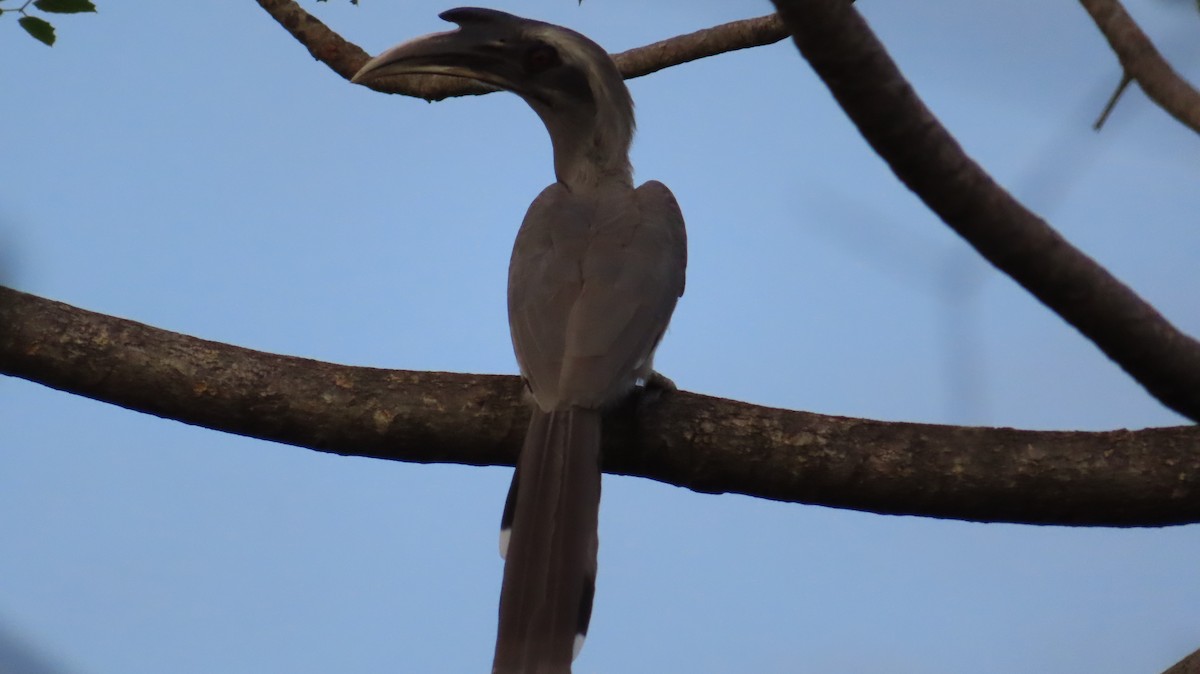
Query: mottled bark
x,y
1117,478
844,52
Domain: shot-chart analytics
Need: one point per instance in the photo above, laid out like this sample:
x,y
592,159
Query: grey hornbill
x,y
596,270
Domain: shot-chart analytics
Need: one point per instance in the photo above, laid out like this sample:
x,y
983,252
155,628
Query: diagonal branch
x,y
870,88
726,37
1188,665
1116,478
1144,64
345,58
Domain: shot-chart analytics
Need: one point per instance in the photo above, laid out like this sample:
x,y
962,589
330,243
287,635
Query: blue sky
x,y
188,165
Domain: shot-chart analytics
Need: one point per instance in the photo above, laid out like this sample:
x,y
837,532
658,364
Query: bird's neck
x,y
592,151
587,164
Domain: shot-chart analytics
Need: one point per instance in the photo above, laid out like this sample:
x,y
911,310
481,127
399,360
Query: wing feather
x,y
593,282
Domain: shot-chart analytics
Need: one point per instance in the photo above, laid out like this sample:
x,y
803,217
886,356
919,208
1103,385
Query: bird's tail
x,y
548,539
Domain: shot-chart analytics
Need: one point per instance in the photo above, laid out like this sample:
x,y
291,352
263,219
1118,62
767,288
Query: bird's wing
x,y
592,286
544,282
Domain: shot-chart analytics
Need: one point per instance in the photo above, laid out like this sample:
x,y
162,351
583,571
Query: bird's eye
x,y
540,58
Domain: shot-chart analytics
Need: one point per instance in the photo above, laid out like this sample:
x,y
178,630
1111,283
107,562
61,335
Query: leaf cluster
x,y
39,28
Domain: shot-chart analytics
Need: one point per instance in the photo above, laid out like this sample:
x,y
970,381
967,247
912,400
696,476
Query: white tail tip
x,y
505,534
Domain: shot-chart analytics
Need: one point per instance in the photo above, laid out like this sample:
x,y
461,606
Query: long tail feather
x,y
548,537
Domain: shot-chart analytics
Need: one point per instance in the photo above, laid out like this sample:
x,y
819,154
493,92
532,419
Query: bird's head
x,y
570,81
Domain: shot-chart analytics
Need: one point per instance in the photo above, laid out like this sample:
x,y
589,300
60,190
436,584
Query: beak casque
x,y
476,51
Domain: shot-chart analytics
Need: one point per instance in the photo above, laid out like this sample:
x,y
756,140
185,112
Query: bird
x,y
596,270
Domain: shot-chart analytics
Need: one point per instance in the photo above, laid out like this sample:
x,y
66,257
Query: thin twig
x,y
1144,64
1126,78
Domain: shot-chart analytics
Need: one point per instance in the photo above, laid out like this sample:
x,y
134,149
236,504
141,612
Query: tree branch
x,y
726,37
1144,64
1188,665
844,52
1115,478
345,58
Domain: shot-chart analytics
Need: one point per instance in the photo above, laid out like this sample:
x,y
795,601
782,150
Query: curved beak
x,y
477,53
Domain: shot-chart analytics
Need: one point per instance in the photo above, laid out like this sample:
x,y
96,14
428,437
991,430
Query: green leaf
x,y
65,6
40,29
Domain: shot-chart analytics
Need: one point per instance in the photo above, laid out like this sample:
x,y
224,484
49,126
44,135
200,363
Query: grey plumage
x,y
593,280
595,273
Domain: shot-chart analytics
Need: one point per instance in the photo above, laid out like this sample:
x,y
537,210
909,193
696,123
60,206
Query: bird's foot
x,y
662,383
654,388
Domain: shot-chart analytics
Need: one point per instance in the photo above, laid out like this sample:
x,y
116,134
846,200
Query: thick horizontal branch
x,y
345,58
1144,64
1118,478
844,52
